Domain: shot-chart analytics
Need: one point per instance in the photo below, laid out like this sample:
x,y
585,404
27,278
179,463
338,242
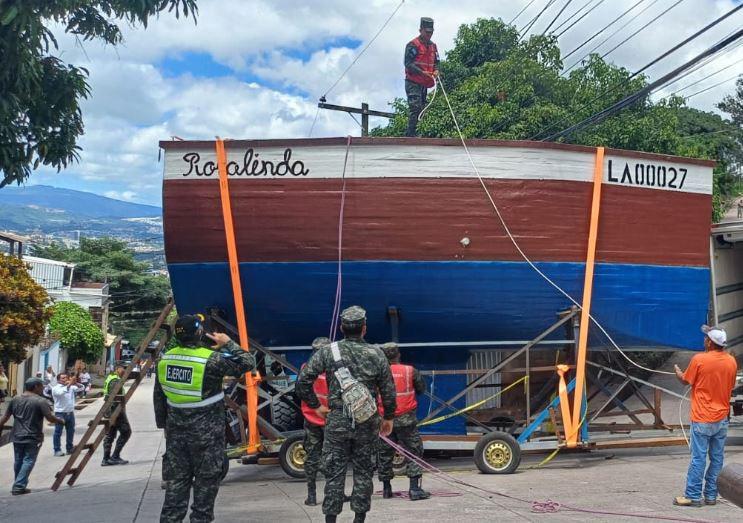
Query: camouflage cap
x,y
353,316
391,350
319,343
426,22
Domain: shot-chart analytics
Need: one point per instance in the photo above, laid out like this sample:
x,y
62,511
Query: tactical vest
x,y
403,377
426,61
180,373
321,391
107,384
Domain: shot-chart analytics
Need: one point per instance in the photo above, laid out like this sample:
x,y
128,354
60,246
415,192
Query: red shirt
x,y
712,377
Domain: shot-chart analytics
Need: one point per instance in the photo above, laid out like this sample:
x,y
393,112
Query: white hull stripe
x,y
407,161
203,403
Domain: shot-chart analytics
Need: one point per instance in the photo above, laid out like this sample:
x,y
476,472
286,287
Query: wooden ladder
x,y
99,424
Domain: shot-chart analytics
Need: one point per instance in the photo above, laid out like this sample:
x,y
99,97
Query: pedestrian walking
x,y
421,69
711,375
314,429
28,410
408,383
85,382
120,425
3,384
189,405
63,394
349,437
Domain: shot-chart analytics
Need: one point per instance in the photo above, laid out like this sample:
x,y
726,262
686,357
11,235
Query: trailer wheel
x,y
497,453
292,456
286,417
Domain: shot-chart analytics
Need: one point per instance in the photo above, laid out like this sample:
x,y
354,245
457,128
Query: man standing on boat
x,y
345,438
314,428
408,383
421,70
712,378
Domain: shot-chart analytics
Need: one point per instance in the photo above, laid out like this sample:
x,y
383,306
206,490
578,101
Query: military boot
x,y
311,494
330,518
360,517
107,459
386,489
415,492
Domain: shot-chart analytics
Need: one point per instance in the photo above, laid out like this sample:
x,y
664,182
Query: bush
x,y
77,332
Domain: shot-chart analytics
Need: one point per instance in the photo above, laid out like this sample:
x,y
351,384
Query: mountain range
x,y
41,209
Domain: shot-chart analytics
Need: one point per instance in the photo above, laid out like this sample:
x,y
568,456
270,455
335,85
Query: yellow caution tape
x,y
471,407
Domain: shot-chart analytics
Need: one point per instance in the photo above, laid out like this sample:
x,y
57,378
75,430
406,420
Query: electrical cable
x,y
597,33
632,98
518,247
531,23
705,78
573,15
568,28
521,12
314,121
712,86
556,17
620,44
339,281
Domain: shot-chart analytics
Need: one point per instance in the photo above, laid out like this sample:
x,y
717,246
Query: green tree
x,y
40,117
77,332
24,309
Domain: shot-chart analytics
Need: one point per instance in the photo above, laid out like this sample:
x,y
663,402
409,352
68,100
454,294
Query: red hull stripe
x,y
414,219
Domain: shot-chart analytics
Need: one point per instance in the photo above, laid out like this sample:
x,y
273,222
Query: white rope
x,y
518,247
681,422
433,97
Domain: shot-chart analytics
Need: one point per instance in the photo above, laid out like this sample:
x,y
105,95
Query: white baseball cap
x,y
716,334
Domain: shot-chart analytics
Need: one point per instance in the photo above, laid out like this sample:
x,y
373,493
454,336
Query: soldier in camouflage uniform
x,y
314,428
122,422
189,405
408,383
346,440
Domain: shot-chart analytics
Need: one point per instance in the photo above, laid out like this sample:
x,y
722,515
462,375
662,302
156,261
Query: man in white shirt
x,y
63,394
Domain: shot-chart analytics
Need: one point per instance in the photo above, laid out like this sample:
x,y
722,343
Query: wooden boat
x,y
422,249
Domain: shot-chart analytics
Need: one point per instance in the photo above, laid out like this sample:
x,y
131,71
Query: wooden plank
x,y
640,443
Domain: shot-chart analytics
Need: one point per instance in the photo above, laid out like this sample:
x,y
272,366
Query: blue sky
x,y
254,69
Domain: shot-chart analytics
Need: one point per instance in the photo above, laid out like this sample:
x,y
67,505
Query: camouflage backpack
x,y
358,402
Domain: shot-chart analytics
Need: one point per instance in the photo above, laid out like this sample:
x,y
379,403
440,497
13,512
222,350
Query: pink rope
x,y
542,507
339,281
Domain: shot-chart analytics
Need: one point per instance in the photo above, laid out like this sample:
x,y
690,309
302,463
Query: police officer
x,y
421,69
314,427
121,425
346,440
408,383
189,404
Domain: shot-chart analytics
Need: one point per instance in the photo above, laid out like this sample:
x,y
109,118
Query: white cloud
x,y
283,58
127,196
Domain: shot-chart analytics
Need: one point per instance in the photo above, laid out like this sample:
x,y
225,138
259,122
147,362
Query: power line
x,y
705,78
620,44
556,17
597,33
573,15
650,64
568,28
533,21
632,98
521,12
713,86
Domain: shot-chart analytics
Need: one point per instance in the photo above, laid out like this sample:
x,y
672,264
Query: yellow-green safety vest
x,y
180,373
107,384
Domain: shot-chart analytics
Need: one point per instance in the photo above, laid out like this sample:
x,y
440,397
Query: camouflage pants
x,y
193,460
313,439
416,102
404,433
124,430
344,444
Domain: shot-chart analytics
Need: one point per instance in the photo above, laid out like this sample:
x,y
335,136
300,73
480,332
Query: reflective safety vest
x,y
321,391
426,61
180,373
107,384
406,402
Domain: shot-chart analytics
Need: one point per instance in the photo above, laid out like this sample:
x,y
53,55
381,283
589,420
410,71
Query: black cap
x,y
426,23
186,327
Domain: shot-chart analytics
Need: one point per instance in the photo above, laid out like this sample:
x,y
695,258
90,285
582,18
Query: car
x,y
136,372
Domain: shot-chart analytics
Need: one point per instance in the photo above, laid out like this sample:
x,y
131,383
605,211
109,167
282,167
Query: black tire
x,y
292,456
286,417
225,468
497,453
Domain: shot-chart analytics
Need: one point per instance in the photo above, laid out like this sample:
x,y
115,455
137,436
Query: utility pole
x,y
364,111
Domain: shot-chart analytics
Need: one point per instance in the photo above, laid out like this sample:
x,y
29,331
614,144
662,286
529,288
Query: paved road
x,y
638,481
